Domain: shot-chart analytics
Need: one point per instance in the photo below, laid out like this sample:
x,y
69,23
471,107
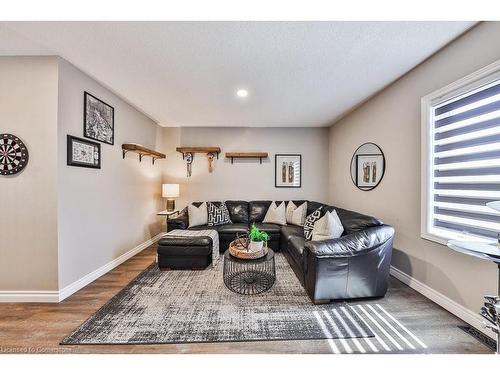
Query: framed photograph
x,y
98,119
369,170
83,153
288,170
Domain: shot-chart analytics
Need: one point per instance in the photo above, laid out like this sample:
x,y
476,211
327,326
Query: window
x,y
461,158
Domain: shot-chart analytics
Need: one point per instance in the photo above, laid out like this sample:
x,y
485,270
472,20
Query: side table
x,y
167,214
487,251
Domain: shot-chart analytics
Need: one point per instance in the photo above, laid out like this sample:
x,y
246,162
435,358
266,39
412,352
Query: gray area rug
x,y
195,306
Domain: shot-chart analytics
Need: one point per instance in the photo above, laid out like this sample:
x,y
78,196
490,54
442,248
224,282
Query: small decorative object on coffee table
x,y
257,239
246,271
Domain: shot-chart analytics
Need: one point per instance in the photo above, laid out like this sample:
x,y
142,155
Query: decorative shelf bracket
x,y
190,151
141,151
246,155
199,150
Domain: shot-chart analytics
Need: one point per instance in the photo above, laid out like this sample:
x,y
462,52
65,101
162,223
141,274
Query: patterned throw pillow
x,y
218,215
309,223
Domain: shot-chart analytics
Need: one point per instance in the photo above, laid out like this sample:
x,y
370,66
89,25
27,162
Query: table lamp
x,y
170,191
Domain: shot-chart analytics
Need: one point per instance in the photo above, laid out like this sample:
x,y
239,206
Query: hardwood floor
x,y
39,327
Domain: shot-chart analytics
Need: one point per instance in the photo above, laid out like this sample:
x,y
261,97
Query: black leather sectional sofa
x,y
356,265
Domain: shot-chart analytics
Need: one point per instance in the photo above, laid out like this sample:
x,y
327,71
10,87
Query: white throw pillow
x,y
276,214
328,227
296,215
198,215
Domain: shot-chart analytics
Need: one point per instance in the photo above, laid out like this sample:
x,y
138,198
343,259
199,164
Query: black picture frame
x,y
71,141
86,126
355,157
276,157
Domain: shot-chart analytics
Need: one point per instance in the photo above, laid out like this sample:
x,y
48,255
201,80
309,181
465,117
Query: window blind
x,y
466,162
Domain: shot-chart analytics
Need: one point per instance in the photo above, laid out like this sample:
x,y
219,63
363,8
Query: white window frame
x,y
457,88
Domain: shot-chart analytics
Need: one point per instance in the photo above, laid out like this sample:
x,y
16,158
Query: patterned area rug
x,y
195,306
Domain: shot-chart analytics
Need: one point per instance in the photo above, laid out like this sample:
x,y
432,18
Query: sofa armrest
x,y
180,221
354,244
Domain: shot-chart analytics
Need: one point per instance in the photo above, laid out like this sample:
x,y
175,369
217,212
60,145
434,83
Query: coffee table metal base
x,y
249,276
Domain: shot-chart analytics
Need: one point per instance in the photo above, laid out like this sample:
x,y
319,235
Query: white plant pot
x,y
256,247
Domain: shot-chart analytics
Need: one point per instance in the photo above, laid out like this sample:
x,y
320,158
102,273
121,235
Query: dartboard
x,y
13,155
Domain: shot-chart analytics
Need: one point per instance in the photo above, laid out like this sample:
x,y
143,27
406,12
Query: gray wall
x,y
28,201
246,179
392,120
103,213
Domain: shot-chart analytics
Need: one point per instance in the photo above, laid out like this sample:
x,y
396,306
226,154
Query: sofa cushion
x,y
296,246
273,230
230,232
233,228
257,210
291,230
268,227
238,211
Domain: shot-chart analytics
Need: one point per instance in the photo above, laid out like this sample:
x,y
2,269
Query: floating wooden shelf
x,y
203,150
142,151
246,155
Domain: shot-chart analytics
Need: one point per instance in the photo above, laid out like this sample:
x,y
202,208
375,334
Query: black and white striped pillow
x,y
218,215
309,223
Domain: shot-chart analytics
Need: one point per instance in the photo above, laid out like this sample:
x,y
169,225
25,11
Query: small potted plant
x,y
257,239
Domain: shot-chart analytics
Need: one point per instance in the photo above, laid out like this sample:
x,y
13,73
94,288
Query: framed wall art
x,y
369,170
288,170
98,119
368,166
83,153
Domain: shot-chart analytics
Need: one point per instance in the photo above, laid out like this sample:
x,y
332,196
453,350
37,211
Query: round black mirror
x,y
367,166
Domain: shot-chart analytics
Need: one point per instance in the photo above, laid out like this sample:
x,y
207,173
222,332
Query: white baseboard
x,y
58,296
468,316
94,275
29,296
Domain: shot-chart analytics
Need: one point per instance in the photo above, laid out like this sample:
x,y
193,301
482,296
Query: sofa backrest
x,y
254,212
238,211
354,221
313,206
257,210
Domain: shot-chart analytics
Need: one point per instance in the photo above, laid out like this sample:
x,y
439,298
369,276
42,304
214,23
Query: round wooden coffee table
x,y
249,276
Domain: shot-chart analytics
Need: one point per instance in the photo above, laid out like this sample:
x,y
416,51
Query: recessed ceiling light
x,y
242,93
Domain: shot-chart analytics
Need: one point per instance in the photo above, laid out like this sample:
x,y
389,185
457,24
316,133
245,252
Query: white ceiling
x,y
187,73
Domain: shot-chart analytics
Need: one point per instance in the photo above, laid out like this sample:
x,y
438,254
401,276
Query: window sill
x,y
443,236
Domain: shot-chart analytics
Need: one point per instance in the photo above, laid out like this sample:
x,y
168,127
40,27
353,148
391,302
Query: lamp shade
x,y
494,205
170,190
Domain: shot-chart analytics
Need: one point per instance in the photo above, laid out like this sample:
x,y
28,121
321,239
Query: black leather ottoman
x,y
181,253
